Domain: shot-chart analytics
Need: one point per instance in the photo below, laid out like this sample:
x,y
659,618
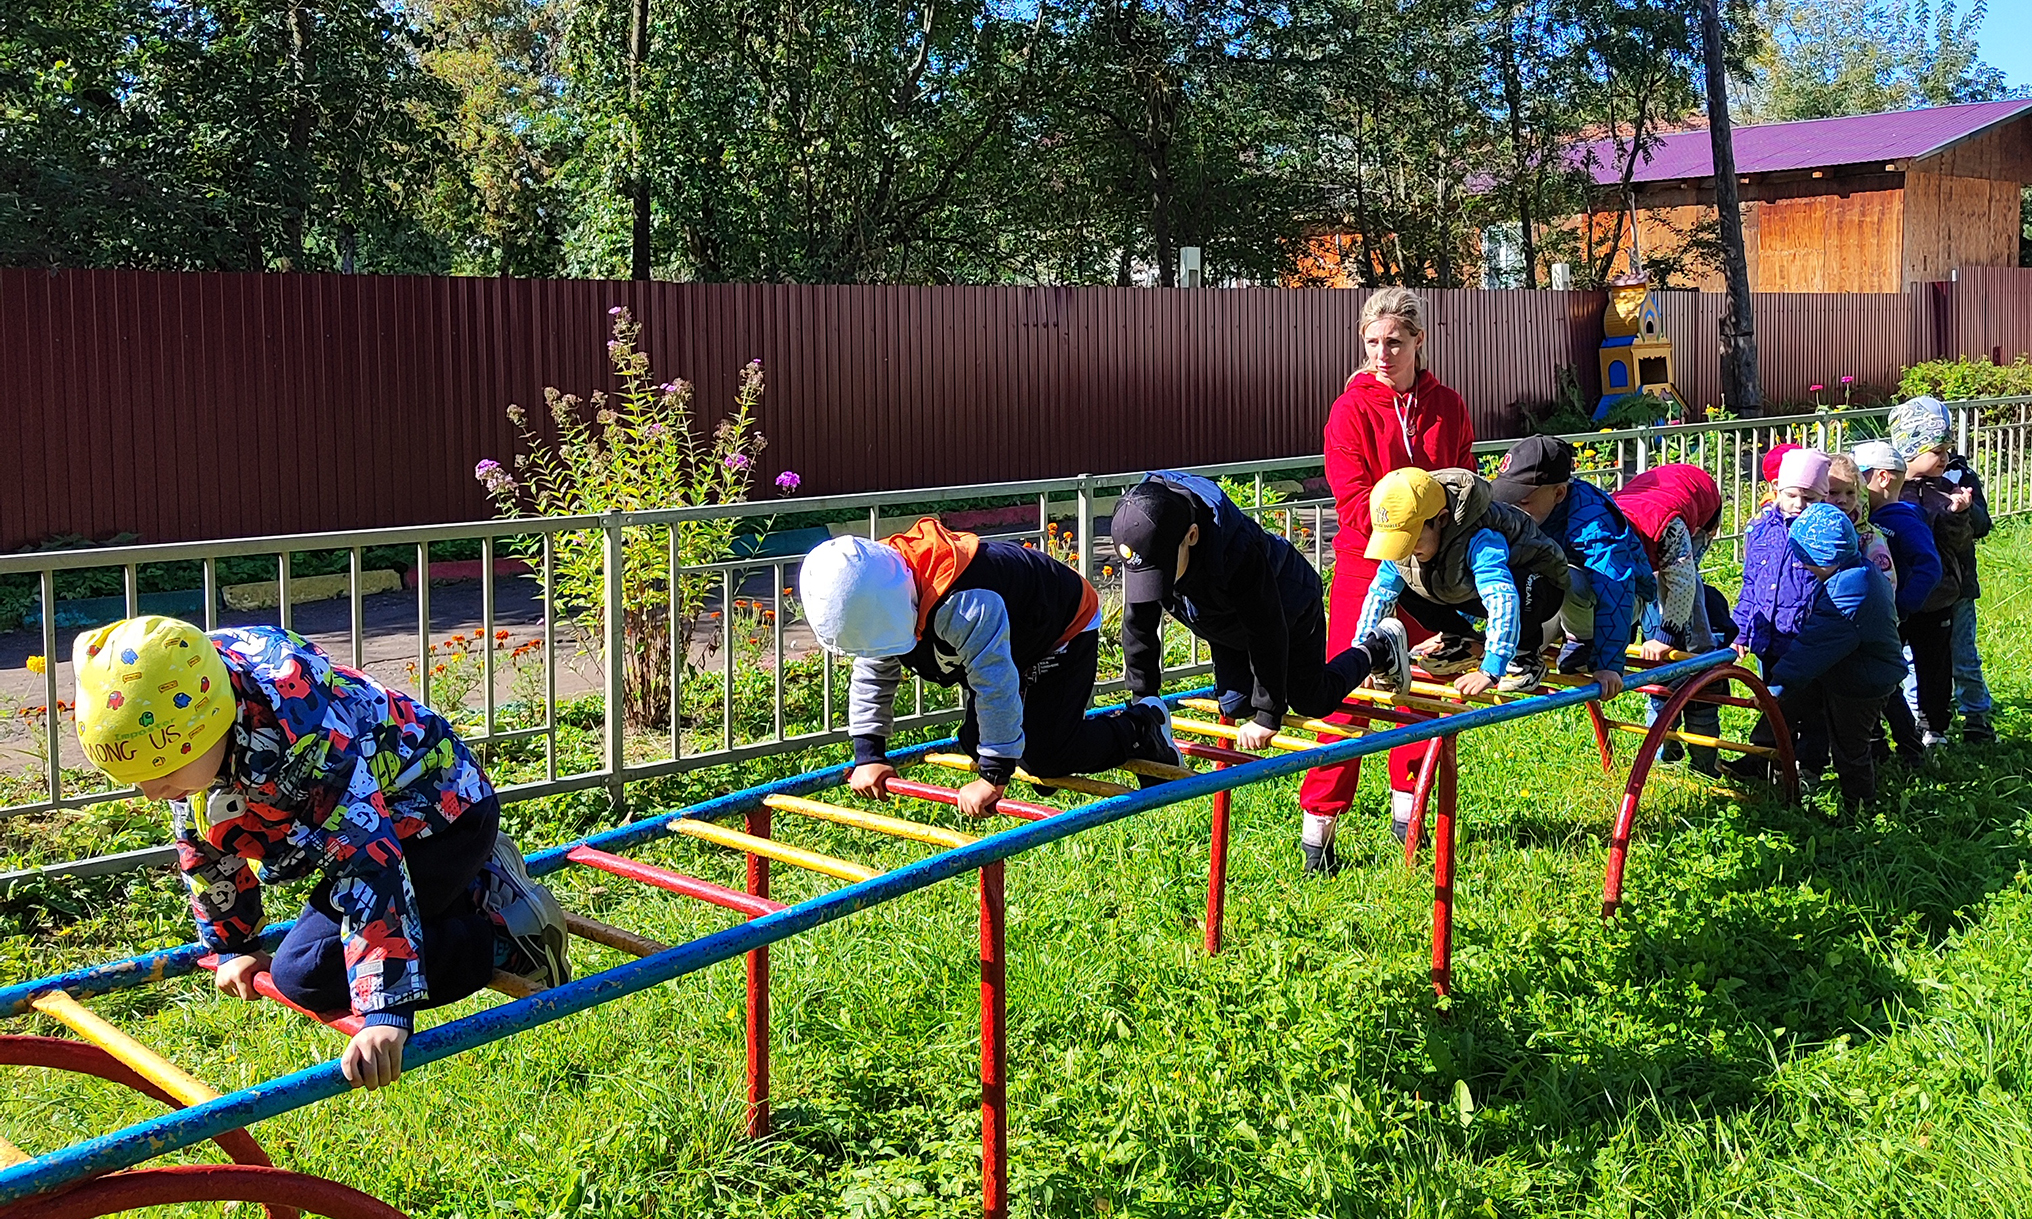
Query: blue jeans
x,y
1971,693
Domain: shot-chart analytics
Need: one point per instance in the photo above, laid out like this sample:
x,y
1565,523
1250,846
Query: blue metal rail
x,y
147,1139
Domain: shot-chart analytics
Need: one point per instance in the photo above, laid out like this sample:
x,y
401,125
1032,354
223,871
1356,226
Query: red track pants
x,y
1331,790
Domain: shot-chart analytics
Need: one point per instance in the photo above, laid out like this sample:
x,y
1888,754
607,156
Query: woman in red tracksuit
x,y
1394,413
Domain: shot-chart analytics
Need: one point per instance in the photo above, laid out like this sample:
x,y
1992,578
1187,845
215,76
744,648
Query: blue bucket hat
x,y
1823,536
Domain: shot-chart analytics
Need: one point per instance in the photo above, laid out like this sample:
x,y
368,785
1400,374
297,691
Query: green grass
x,y
1791,1017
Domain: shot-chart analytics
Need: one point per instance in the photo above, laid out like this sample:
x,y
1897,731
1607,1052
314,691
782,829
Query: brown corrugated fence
x,y
183,406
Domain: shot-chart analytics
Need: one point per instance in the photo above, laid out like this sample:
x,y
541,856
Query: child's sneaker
x,y
1749,766
1671,752
1154,742
1401,804
1448,655
1389,656
1315,843
527,918
1706,760
1525,674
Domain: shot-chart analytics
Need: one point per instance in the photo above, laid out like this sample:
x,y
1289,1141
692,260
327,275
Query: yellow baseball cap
x,y
1399,505
152,696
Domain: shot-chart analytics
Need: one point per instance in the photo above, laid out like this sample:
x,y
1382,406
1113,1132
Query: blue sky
x,y
2006,41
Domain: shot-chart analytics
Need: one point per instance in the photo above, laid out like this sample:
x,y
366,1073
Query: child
x,y
1768,467
1915,566
1449,553
1609,575
1919,433
1778,590
1256,601
1392,414
1845,491
1015,629
1845,659
270,753
1677,510
1951,486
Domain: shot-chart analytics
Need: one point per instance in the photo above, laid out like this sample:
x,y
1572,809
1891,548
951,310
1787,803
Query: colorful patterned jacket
x,y
327,768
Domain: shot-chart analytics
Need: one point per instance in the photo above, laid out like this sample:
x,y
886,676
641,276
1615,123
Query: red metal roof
x,y
1851,139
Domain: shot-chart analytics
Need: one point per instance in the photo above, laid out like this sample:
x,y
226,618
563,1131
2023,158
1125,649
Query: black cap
x,y
1531,463
1150,521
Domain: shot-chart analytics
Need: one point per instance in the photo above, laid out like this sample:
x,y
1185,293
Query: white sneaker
x,y
1392,670
1401,804
1315,843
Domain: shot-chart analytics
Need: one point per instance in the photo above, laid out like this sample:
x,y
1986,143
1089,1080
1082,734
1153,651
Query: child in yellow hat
x,y
269,753
1450,553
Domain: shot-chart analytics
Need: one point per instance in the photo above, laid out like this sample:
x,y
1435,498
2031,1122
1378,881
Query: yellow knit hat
x,y
152,696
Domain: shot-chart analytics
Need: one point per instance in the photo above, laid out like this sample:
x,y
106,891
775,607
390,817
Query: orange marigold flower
x,y
500,634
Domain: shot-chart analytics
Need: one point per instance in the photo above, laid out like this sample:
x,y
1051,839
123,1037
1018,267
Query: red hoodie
x,y
1374,430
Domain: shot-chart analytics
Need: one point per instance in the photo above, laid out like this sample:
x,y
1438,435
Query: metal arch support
x,y
1647,754
280,1193
1603,743
1421,792
83,1058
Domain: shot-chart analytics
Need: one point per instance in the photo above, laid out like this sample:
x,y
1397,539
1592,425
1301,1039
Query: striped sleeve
x,y
1489,559
1382,599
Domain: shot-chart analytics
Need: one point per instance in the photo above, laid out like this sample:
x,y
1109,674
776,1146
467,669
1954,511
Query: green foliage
x,y
1831,57
1571,413
637,452
1963,378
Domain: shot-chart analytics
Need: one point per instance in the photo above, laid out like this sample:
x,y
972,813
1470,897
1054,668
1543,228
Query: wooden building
x,y
1864,203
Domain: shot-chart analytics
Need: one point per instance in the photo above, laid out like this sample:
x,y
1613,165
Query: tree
x,y
1832,57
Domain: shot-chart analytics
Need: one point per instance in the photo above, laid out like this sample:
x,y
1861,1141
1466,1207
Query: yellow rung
x,y
1071,783
10,1155
1694,738
145,1062
769,848
1225,733
612,936
897,827
1412,701
512,985
1290,721
1157,770
1637,653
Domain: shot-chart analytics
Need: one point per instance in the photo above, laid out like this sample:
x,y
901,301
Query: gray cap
x,y
1878,455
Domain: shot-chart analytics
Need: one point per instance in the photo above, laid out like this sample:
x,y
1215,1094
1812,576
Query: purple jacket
x,y
1778,590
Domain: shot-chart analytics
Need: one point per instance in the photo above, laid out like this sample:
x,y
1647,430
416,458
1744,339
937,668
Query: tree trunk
x,y
1520,159
1740,380
302,121
638,51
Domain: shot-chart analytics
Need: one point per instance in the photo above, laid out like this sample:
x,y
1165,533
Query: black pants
x,y
1313,685
1835,728
458,937
1058,736
1931,638
1539,599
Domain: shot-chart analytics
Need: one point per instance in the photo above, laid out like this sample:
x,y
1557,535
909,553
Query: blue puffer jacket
x,y
1848,639
1778,590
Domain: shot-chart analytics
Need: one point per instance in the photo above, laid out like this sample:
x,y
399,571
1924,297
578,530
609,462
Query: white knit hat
x,y
859,597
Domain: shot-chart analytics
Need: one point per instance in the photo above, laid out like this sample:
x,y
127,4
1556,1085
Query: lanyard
x,y
1405,405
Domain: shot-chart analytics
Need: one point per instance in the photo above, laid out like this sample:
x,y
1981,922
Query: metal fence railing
x,y
543,687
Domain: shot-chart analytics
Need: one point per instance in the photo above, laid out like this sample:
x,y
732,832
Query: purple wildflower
x,y
1814,389
493,477
614,312
788,480
739,461
1847,379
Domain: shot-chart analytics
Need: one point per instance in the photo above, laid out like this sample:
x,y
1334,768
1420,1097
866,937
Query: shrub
x,y
1963,378
640,451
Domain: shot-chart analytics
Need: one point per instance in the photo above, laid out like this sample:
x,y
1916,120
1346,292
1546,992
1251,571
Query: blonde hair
x,y
1397,304
1844,467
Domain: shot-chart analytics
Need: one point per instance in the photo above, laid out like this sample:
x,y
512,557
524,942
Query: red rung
x,y
1020,809
344,1022
675,882
1214,753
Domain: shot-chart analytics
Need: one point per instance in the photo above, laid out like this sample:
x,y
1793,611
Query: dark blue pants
x,y
458,937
